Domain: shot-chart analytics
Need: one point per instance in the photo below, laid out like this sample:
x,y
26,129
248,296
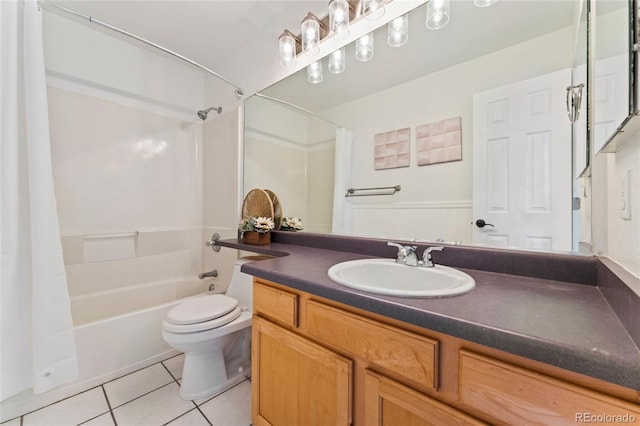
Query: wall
x,y
435,201
291,154
221,180
126,152
613,236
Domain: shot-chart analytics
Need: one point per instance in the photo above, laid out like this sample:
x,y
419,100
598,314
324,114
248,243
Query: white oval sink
x,y
385,276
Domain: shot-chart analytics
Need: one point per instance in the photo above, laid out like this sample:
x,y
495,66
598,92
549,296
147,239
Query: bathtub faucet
x,y
209,274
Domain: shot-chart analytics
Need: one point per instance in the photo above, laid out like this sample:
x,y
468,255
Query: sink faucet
x,y
406,254
427,261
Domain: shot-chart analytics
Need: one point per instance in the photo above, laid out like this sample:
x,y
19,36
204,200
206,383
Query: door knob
x,y
480,223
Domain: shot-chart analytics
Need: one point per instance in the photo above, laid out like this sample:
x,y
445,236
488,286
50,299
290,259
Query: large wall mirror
x,y
613,99
469,120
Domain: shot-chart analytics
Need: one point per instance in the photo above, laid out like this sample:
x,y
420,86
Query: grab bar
x,y
351,192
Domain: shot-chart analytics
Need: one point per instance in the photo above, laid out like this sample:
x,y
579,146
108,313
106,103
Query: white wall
x,y
613,236
291,154
435,201
78,57
126,148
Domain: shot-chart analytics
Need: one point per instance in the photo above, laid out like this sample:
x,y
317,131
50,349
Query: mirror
x,y
613,99
464,70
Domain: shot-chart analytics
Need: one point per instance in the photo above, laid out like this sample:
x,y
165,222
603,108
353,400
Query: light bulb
x,y
287,49
398,31
339,18
314,72
310,34
364,48
373,9
337,60
484,3
437,14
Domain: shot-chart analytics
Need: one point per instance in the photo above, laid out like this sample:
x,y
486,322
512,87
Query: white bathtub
x,y
107,349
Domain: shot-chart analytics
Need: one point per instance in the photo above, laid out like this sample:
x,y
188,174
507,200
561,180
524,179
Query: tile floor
x,y
147,397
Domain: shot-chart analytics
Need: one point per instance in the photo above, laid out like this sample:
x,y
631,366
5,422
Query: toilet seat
x,y
202,313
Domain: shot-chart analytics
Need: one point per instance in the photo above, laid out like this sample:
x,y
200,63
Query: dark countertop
x,y
564,324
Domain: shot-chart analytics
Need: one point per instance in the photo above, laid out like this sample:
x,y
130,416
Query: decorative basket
x,y
256,238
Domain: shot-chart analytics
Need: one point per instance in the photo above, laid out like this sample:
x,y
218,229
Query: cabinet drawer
x,y
514,395
279,305
397,352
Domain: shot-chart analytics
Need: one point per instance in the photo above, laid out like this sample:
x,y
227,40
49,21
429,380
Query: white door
x,y
611,100
522,164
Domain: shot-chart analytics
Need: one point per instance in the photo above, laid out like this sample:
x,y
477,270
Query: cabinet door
x,y
511,395
389,403
297,382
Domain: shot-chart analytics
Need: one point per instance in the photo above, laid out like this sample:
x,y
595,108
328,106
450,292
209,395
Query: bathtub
x,y
107,349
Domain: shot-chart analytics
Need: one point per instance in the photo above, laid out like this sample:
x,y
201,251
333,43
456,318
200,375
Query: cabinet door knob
x,y
480,223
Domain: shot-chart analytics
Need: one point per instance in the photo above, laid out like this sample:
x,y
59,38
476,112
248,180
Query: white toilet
x,y
214,333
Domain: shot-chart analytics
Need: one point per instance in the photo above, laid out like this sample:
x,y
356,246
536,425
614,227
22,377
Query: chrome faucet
x,y
209,274
406,254
427,261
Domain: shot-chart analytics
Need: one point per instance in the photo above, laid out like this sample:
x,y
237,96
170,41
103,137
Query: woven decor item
x,y
277,208
257,203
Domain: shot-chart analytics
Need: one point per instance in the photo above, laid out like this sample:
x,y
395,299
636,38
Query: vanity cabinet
x,y
316,361
390,403
297,381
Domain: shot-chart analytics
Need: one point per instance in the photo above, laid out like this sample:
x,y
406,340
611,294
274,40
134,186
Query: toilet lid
x,y
201,309
202,326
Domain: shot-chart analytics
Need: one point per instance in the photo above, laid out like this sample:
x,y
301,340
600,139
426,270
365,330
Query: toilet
x,y
214,332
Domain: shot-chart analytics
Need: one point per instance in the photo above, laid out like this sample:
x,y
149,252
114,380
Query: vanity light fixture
x,y
484,3
364,48
339,19
310,34
314,72
398,31
287,49
437,13
337,61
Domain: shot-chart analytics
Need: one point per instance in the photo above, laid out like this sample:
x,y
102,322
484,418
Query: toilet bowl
x,y
213,331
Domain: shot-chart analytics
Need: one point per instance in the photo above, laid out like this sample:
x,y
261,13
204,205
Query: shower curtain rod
x,y
260,95
96,21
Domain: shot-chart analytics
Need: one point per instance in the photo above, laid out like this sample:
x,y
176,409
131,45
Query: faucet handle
x,y
404,252
426,256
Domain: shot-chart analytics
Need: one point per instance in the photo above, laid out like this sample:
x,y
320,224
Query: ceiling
x,y
238,38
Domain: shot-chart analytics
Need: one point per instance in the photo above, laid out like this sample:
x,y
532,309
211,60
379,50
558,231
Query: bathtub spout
x,y
209,274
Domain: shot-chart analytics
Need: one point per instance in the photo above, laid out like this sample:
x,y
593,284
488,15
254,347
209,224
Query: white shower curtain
x,y
342,181
37,342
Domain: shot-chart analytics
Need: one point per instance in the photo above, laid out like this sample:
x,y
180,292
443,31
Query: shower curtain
x,y
37,347
342,181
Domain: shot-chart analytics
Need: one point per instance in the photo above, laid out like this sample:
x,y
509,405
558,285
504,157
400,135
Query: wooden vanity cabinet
x,y
319,362
297,382
390,403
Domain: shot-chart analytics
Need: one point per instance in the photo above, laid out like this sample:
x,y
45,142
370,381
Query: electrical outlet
x,y
625,202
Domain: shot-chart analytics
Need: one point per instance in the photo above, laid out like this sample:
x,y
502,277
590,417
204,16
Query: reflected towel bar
x,y
351,192
113,235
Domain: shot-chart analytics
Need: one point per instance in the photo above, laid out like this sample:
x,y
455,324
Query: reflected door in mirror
x,y
522,144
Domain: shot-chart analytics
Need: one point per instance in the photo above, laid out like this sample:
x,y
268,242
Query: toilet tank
x,y
241,285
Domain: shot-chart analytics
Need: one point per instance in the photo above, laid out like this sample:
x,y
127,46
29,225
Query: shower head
x,y
203,113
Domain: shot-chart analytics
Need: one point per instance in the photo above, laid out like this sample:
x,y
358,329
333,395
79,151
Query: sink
x,y
385,276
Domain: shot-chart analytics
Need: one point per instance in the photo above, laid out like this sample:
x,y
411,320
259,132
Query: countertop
x,y
564,324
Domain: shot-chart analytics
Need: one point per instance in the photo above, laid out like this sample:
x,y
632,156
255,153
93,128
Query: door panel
x,y
522,157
